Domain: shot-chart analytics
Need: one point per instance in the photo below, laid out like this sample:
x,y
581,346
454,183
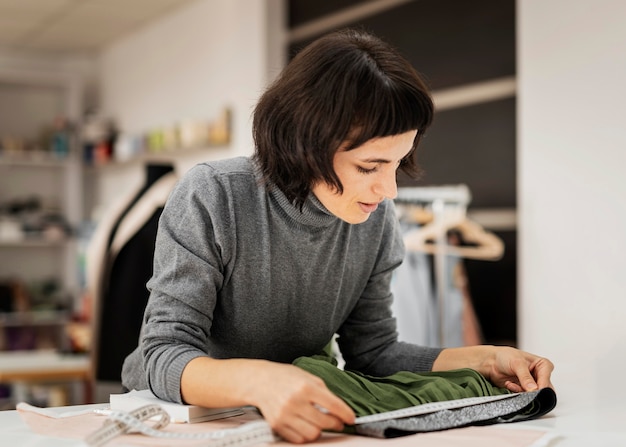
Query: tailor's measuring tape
x,y
120,422
250,433
430,407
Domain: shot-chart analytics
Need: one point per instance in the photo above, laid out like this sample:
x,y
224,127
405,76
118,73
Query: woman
x,y
262,260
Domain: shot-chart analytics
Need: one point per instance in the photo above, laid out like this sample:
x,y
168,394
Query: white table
x,y
573,423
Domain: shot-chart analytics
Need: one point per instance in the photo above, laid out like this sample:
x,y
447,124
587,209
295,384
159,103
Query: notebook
x,y
179,413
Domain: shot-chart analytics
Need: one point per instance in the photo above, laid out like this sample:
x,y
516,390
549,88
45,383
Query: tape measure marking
x,y
119,423
430,407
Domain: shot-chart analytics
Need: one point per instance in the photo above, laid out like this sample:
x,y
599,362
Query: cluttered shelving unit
x,y
40,215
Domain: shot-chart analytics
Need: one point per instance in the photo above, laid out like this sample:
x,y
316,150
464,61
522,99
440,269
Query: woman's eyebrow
x,y
375,160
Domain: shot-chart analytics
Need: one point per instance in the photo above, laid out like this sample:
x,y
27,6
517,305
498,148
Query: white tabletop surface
x,y
587,422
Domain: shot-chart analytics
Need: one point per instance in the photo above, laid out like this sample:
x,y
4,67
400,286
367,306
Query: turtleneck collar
x,y
313,212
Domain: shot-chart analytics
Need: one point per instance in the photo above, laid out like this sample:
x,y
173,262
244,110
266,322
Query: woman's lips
x,y
368,207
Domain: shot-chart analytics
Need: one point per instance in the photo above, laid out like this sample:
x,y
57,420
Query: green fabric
x,y
368,395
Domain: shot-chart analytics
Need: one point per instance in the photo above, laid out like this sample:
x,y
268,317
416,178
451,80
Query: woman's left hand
x,y
504,366
519,371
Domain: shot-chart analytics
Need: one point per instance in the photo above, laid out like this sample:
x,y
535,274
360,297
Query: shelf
x,y
34,318
41,195
22,369
164,156
42,160
33,243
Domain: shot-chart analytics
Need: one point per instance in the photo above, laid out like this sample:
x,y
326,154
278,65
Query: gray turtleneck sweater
x,y
240,272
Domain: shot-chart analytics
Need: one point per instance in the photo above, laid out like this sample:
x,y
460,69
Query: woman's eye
x,y
363,170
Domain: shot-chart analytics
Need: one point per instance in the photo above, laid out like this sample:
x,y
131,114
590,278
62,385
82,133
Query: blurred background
x,y
99,99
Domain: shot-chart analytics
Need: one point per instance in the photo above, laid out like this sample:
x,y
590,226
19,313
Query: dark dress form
x,y
124,293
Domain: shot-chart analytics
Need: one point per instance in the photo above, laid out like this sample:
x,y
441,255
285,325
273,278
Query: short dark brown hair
x,y
345,86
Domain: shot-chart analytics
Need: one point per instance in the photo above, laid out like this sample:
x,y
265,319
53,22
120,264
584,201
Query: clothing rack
x,y
447,203
449,194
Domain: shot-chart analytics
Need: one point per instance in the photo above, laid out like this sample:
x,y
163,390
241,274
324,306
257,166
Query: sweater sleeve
x,y
188,266
368,339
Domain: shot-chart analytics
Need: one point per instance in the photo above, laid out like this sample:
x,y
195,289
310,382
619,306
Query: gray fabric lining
x,y
523,406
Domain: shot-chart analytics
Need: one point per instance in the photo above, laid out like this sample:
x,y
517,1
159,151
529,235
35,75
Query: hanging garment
x,y
368,395
423,318
414,302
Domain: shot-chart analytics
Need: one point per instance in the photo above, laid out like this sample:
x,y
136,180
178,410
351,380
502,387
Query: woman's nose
x,y
387,185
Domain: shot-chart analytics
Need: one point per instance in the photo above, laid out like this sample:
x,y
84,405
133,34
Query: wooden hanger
x,y
455,234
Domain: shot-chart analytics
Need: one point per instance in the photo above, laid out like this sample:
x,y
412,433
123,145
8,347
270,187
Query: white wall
x,y
189,66
32,68
572,190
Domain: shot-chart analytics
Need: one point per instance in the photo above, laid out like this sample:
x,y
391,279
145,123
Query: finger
x,y
542,370
524,376
513,387
298,429
334,406
289,434
321,417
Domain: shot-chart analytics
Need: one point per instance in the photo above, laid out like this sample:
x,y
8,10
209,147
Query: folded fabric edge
x,y
534,403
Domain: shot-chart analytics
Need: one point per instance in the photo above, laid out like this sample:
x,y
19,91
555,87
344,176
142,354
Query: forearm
x,y
479,358
221,383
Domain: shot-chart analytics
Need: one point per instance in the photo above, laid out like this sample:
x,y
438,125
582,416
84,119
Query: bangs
x,y
386,108
387,105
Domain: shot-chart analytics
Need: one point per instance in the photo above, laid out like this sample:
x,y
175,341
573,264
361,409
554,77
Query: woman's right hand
x,y
297,405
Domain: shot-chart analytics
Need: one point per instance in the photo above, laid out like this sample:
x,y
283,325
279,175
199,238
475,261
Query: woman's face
x,y
368,175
